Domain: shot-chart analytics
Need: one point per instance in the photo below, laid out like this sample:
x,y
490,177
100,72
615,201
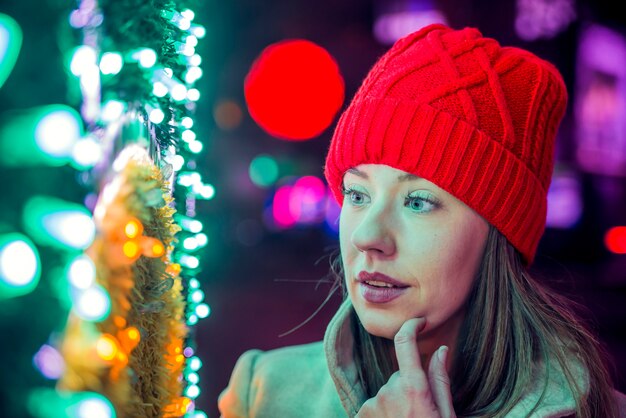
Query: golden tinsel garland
x,y
134,356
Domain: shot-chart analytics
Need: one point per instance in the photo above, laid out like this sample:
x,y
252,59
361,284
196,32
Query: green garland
x,y
149,323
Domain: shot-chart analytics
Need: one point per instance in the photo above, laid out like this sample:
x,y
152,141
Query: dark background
x,y
261,282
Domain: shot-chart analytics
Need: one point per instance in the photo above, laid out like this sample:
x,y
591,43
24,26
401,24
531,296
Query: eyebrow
x,y
402,177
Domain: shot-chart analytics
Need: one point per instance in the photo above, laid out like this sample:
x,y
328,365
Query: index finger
x,y
405,342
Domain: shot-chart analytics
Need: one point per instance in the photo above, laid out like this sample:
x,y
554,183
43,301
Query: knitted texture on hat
x,y
477,119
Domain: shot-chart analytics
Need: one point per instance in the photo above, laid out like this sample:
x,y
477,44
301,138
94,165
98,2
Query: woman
x,y
442,164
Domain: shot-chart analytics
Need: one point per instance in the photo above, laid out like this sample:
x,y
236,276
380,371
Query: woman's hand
x,y
409,391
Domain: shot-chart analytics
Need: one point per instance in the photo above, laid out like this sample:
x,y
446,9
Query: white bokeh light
x,y
72,228
57,132
82,272
92,304
18,263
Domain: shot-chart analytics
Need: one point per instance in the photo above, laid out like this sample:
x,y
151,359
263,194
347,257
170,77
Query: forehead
x,y
384,174
364,172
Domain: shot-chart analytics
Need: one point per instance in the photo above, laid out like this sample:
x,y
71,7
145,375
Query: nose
x,y
374,235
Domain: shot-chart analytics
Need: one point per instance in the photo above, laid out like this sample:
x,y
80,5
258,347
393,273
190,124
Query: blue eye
x,y
421,203
418,203
354,197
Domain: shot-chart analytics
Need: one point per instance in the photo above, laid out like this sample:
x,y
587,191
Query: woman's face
x,y
409,249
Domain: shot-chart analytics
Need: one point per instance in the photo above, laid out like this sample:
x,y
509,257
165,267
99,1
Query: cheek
x,y
345,247
452,262
465,252
345,233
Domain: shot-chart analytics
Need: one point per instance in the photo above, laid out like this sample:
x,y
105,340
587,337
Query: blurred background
x,y
276,75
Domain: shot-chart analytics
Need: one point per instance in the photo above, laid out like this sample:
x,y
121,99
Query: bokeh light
x,y
615,239
47,402
92,304
95,408
281,210
302,203
81,272
55,222
111,63
86,153
41,135
294,89
106,347
307,200
10,44
263,170
565,203
49,362
19,265
403,18
333,210
227,114
57,132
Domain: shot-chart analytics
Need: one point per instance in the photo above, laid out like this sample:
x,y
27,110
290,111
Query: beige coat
x,y
319,380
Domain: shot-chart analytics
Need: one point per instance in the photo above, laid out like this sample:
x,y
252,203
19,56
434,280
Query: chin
x,y
379,325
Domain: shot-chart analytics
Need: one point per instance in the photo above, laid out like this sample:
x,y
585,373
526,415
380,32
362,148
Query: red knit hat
x,y
477,119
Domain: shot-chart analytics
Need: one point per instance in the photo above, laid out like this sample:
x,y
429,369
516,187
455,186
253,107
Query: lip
x,y
365,276
376,294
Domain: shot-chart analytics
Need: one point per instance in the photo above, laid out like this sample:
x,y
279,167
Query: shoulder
x,y
291,355
620,400
550,392
284,366
287,373
256,360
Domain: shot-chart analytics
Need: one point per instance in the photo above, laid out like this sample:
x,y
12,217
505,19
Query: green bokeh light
x,y
263,170
19,266
51,403
58,223
43,135
10,44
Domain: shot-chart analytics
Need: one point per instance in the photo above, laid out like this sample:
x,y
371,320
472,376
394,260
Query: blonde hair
x,y
512,322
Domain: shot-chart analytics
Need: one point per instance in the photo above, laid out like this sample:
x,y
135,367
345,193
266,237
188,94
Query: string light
x,y
156,115
107,347
131,249
159,89
111,63
170,103
186,122
133,228
82,272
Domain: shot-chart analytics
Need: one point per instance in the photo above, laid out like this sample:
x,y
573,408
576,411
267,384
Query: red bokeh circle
x,y
615,239
294,90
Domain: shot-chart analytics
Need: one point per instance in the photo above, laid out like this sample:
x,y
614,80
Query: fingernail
x,y
443,354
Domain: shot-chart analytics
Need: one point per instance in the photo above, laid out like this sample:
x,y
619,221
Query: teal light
x,y
44,135
19,266
81,58
193,378
192,391
203,310
147,58
263,170
87,152
92,304
195,363
111,63
58,223
10,44
81,272
51,403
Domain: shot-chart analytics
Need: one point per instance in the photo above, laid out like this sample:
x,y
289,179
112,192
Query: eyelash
x,y
348,191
